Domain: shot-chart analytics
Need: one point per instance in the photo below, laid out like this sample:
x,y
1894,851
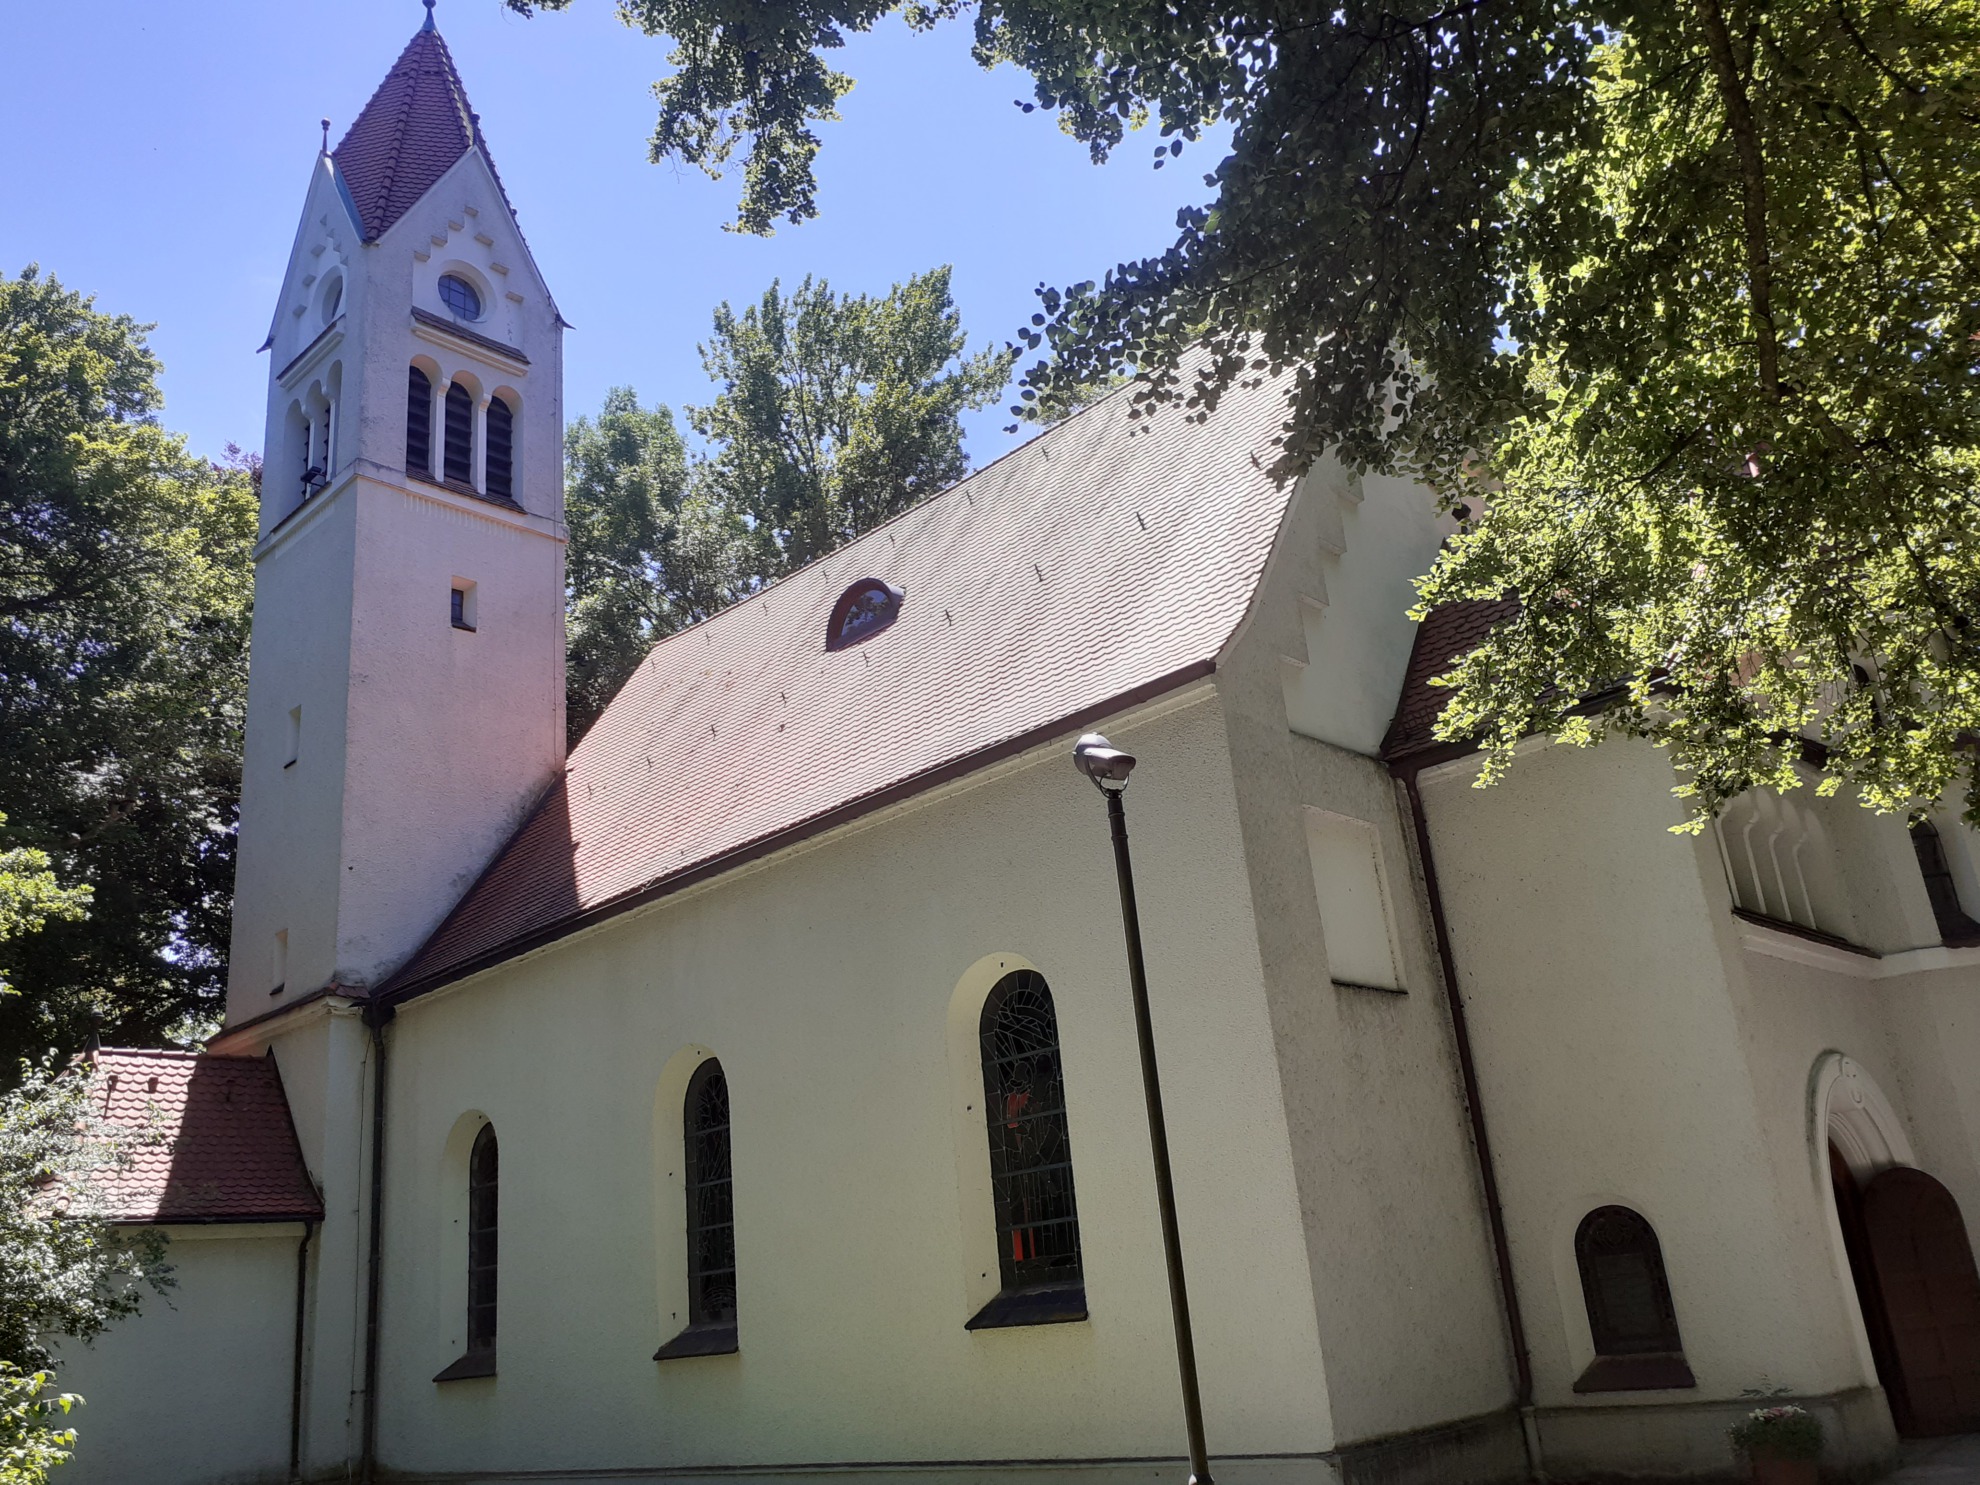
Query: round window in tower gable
x,y
459,296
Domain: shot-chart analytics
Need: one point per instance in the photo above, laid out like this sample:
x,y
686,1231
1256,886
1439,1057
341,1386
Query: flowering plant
x,y
1783,1432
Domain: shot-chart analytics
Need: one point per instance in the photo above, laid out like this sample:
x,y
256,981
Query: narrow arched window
x,y
499,477
711,1219
1631,1317
484,1176
1031,1173
483,1183
419,422
1955,927
457,446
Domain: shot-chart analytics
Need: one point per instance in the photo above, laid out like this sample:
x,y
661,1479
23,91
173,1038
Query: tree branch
x,y
1753,192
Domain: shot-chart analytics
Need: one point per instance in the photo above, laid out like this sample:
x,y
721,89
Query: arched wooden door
x,y
1931,1294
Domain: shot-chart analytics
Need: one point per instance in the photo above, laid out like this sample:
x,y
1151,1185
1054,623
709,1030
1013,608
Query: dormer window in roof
x,y
862,611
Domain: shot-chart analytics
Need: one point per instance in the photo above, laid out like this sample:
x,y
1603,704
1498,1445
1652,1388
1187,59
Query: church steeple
x,y
405,700
415,128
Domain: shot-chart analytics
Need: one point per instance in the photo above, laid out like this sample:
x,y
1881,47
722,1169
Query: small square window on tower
x,y
462,605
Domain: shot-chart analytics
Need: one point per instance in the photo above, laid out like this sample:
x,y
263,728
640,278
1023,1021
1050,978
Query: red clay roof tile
x,y
227,1149
410,134
1105,557
1447,633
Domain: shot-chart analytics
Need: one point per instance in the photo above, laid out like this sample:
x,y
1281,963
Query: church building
x,y
753,1094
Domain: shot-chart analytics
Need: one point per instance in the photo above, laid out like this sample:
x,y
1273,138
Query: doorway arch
x,y
1904,1246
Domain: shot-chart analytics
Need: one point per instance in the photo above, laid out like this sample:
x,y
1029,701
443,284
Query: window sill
x,y
465,628
1371,989
474,1364
1055,1304
1659,1371
705,1338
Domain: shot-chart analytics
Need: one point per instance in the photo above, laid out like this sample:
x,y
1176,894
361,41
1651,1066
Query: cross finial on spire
x,y
428,25
326,135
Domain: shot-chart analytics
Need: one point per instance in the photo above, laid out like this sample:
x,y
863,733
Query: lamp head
x,y
1102,762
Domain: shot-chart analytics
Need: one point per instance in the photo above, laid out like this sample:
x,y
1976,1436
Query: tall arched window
x,y
457,445
419,422
711,1220
499,478
1031,1174
1630,1314
484,1177
1955,927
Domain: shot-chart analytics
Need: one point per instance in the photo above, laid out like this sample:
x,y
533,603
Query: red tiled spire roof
x,y
1093,567
225,1147
410,134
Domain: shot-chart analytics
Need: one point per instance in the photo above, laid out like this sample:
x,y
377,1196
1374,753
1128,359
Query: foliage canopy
x,y
1675,300
124,599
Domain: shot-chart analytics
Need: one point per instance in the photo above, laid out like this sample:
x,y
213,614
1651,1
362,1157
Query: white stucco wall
x,y
825,980
194,1390
1405,1292
1631,1052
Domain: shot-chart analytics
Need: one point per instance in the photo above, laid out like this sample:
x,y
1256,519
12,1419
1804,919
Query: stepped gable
x,y
1105,561
410,134
1447,633
221,1148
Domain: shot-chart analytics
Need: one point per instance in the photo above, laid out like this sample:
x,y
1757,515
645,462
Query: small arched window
x,y
862,611
484,1179
499,473
711,1220
457,448
333,300
1955,927
1631,1318
1031,1173
419,422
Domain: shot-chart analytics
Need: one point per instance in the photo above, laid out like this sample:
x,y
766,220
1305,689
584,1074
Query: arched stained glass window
x,y
1631,1317
483,1193
499,476
1031,1173
711,1220
419,421
484,1179
457,449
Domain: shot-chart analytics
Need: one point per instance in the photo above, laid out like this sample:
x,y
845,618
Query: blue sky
x,y
157,156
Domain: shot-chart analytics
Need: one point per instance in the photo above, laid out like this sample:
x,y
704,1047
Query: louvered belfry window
x,y
499,475
1622,1279
457,450
711,1209
1031,1170
483,1178
419,422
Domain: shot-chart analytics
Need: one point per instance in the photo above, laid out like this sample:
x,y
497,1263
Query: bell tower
x,y
405,694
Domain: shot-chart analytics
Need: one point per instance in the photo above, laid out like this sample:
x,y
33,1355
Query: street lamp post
x,y
1109,768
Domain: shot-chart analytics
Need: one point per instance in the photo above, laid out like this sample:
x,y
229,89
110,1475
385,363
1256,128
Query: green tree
x,y
32,1440
837,411
649,552
1676,299
832,413
124,599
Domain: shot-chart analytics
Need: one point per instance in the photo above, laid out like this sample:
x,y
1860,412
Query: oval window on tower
x,y
459,295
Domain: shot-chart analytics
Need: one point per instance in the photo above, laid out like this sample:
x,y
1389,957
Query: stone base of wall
x,y
1476,1451
1684,1443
